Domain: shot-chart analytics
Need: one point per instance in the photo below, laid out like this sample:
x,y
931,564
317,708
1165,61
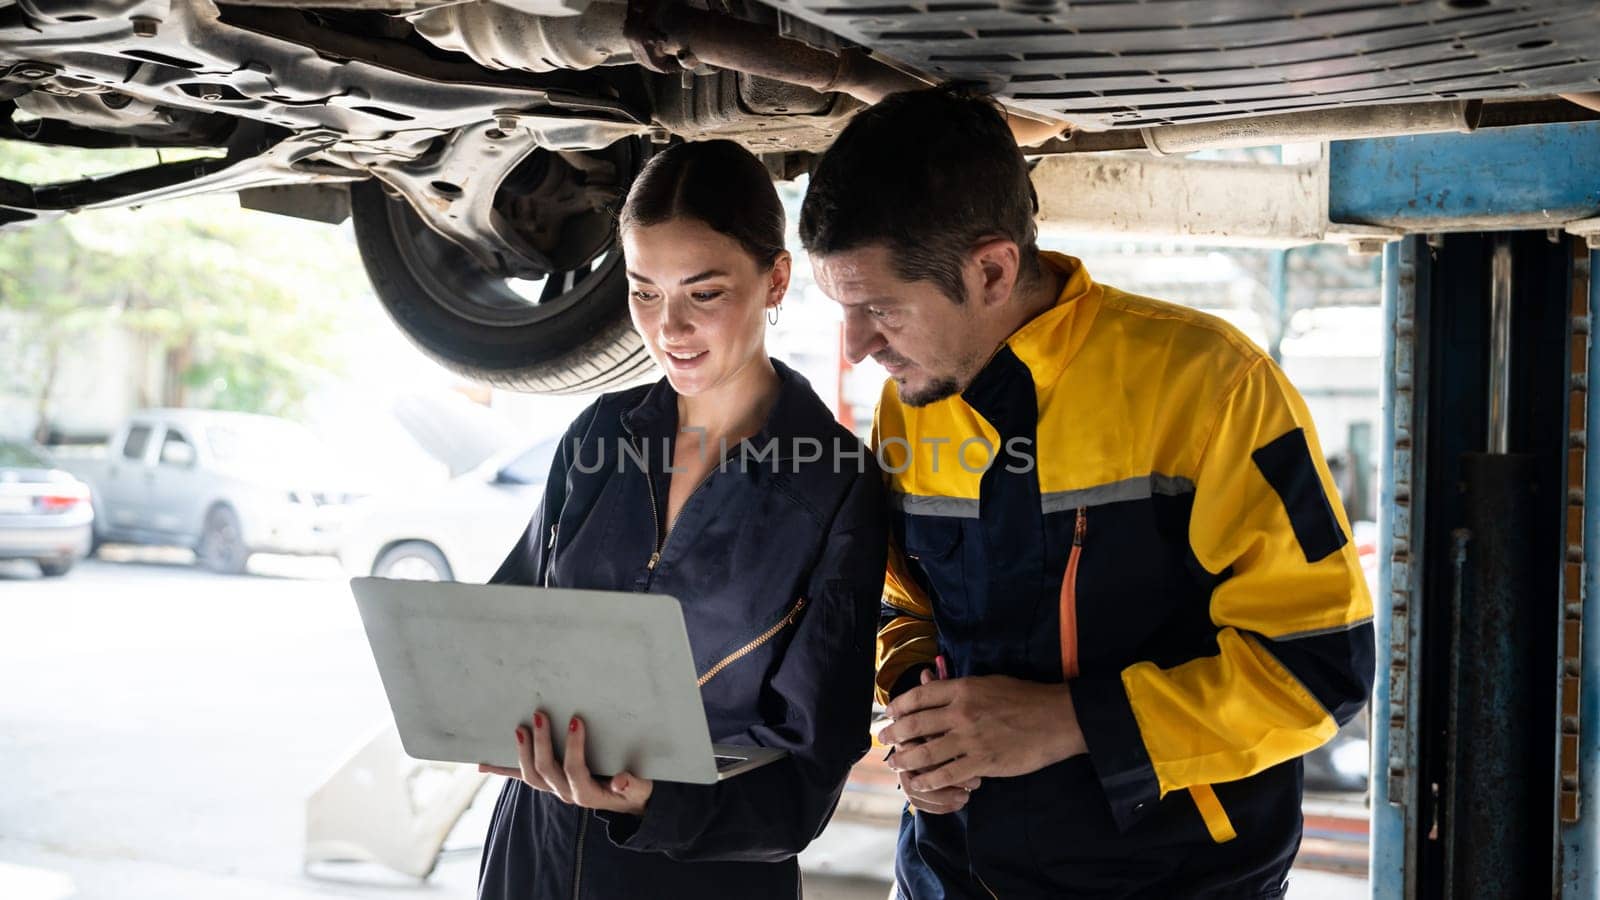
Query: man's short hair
x,y
929,174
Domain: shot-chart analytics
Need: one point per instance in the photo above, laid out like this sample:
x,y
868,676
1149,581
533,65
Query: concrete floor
x,y
161,727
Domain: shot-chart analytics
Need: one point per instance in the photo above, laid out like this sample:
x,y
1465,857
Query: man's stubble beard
x,y
943,386
938,390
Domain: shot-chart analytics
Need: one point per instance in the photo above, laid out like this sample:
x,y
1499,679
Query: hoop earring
x,y
772,314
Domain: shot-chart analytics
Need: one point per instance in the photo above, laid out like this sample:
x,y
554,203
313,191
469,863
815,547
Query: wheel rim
x,y
222,545
583,248
413,568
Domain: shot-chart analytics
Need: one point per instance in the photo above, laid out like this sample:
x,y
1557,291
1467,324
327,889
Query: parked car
x,y
226,484
458,531
45,514
478,146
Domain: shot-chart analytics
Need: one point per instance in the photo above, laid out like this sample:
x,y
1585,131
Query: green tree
x,y
239,307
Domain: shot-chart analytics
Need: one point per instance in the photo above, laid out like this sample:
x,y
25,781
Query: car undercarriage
x,y
481,146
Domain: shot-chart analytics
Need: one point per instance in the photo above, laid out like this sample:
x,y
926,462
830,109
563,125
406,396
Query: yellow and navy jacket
x,y
1130,498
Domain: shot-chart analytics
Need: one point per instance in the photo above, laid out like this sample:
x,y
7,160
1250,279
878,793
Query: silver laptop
x,y
464,664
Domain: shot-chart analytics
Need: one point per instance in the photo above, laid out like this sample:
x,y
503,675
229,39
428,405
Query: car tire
x,y
221,548
97,538
54,568
574,337
413,561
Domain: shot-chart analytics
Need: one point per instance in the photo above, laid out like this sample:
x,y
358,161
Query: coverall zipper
x,y
550,554
577,861
762,638
655,516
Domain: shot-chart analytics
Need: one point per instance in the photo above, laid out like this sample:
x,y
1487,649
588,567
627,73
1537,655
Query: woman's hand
x,y
572,780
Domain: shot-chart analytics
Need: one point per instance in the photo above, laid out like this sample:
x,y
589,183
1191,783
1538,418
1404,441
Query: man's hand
x,y
570,780
948,733
940,801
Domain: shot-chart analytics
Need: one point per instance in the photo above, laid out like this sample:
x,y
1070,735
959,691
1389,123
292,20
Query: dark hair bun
x,y
716,182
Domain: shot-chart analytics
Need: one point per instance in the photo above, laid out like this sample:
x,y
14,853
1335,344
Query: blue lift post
x,y
1534,177
1580,841
1394,828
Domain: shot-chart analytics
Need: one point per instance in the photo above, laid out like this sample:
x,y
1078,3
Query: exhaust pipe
x,y
1340,124
1587,101
682,37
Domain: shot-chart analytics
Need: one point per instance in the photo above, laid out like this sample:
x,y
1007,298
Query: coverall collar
x,y
1049,341
656,415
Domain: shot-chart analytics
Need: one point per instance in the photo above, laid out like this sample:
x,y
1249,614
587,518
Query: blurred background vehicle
x,y
457,531
45,514
226,484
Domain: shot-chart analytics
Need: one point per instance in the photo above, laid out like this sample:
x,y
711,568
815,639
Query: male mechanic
x,y
1115,537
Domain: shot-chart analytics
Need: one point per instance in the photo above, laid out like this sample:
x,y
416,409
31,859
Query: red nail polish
x,y
573,725
538,720
519,735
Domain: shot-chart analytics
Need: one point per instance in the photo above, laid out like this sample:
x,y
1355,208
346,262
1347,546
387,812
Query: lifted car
x,y
481,146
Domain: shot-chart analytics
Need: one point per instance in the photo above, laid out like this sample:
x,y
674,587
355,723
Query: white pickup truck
x,y
226,484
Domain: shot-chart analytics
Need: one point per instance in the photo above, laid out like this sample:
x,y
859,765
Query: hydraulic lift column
x,y
1496,832
1476,506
